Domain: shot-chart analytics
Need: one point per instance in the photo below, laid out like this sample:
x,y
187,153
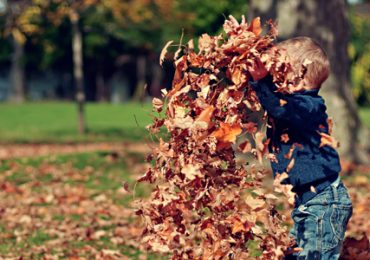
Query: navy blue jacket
x,y
302,116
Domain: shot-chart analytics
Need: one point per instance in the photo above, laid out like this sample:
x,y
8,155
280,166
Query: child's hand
x,y
257,70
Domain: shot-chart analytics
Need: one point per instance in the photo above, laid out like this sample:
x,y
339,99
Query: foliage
x,y
359,51
111,28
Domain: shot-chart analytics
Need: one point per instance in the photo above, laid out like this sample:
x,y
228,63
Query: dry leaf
x,y
164,52
227,133
328,140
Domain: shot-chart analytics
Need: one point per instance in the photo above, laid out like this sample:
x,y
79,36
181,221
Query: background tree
x,y
57,11
16,25
327,22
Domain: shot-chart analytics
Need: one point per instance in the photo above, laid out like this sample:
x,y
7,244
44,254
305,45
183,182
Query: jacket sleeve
x,y
298,110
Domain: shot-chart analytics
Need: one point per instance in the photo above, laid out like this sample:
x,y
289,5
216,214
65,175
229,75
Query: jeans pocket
x,y
339,220
334,229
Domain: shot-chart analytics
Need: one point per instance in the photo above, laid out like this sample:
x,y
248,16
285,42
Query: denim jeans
x,y
320,223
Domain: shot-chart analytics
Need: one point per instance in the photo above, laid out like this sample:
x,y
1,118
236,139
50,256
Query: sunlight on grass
x,y
57,122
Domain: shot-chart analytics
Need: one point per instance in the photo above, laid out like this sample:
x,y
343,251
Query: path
x,y
9,151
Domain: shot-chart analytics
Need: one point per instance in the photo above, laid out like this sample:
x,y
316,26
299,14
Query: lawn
x,y
57,122
70,206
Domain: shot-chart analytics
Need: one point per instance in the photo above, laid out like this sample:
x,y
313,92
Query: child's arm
x,y
298,110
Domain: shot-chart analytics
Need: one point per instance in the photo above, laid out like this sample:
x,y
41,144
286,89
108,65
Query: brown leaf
x,y
255,26
206,114
284,138
328,140
290,165
282,102
164,52
227,133
157,104
245,147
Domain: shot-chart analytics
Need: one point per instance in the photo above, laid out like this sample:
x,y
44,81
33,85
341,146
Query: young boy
x,y
322,204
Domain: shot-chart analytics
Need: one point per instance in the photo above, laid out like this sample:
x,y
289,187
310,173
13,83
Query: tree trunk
x,y
17,73
327,22
139,93
102,92
78,71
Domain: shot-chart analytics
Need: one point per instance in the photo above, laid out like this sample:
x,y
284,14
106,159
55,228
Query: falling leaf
x,y
254,203
255,26
201,202
251,127
284,138
227,133
164,52
245,147
290,165
289,154
126,186
282,102
191,171
328,140
206,114
157,104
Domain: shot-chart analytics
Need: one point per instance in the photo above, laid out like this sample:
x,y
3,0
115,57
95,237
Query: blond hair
x,y
300,49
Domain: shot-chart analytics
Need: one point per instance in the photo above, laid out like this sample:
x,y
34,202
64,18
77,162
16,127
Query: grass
x,y
57,122
97,174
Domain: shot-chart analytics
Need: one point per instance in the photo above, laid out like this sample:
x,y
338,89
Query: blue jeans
x,y
320,223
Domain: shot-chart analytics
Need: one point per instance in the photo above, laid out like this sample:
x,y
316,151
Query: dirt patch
x,y
10,151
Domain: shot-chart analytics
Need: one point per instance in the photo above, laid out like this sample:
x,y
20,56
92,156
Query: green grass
x,y
57,122
365,115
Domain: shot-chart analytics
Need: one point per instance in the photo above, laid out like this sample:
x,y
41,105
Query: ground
x,y
63,200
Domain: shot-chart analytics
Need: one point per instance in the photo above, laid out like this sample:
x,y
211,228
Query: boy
x,y
322,204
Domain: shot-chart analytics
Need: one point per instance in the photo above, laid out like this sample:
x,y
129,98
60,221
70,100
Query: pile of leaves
x,y
205,205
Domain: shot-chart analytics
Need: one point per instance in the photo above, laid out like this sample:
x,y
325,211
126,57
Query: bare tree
x,y
78,70
327,22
